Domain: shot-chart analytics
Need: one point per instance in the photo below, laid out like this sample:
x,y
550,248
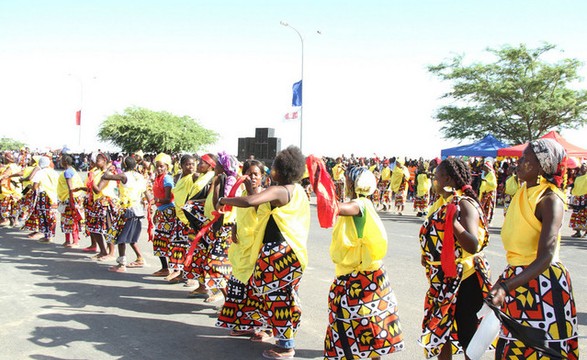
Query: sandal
x,y
172,275
197,293
262,336
176,280
190,283
250,332
117,268
90,249
214,297
161,273
272,354
138,263
105,258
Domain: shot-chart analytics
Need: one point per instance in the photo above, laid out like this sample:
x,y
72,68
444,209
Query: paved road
x,y
58,304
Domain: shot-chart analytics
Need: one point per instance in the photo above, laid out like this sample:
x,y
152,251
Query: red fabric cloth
x,y
323,186
447,257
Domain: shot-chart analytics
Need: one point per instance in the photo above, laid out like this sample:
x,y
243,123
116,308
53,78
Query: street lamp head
x,y
284,23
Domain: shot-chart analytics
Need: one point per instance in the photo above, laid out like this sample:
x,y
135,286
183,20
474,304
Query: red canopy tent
x,y
572,150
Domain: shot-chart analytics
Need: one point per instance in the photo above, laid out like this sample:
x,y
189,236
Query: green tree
x,y
10,144
143,129
517,98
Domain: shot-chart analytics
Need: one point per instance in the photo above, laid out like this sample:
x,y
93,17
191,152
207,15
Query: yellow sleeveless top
x,y
424,185
181,191
63,190
489,184
131,193
109,190
512,185
355,249
292,219
580,186
521,229
241,254
229,217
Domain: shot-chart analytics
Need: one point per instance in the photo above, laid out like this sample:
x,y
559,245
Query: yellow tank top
x,y
292,219
241,254
63,190
109,190
359,243
521,229
131,193
181,191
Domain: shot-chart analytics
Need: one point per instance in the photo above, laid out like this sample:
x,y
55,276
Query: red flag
x,y
291,116
78,117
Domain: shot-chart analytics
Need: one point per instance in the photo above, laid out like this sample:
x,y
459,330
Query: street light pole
x,y
301,78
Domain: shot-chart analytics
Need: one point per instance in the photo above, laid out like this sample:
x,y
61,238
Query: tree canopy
x,y
517,98
143,129
10,144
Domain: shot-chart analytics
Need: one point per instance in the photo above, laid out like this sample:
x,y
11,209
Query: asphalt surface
x,y
58,304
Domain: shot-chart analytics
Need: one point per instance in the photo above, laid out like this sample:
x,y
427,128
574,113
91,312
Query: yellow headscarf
x,y
165,159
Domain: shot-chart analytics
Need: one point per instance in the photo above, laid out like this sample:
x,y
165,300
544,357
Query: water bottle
x,y
485,334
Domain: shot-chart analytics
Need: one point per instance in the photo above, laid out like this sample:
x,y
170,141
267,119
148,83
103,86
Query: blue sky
x,y
231,65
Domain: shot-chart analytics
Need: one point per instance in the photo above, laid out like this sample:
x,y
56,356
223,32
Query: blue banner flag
x,y
297,94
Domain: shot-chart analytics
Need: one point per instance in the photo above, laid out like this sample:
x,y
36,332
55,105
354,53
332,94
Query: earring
x,y
448,189
539,179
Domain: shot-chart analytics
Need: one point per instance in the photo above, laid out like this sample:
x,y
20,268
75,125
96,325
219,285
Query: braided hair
x,y
460,172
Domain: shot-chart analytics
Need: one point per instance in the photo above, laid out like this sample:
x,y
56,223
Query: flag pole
x,y
301,79
78,113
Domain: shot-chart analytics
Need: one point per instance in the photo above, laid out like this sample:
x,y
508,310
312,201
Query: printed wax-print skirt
x,y
401,194
362,316
179,245
276,279
421,202
165,225
545,303
339,190
213,267
99,215
26,204
439,325
240,308
43,217
385,192
68,224
488,204
375,197
126,227
579,216
9,207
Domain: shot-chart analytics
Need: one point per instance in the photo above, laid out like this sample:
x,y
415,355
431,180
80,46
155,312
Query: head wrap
x,y
44,162
93,157
551,156
362,179
228,162
208,160
488,161
400,161
140,154
165,159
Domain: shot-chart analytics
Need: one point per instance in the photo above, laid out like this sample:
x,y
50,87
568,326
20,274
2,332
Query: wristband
x,y
504,286
220,200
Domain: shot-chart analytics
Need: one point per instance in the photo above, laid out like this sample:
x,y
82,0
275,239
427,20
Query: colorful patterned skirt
x,y
339,189
69,224
241,307
212,267
43,216
275,281
439,326
165,225
401,194
362,316
180,245
100,215
421,203
385,192
196,218
26,204
545,303
579,216
9,206
488,204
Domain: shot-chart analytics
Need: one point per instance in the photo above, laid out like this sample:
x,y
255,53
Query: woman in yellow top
x,y
535,289
578,220
43,218
399,185
361,300
383,185
10,191
488,189
423,185
70,197
452,238
283,213
103,206
238,310
338,178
